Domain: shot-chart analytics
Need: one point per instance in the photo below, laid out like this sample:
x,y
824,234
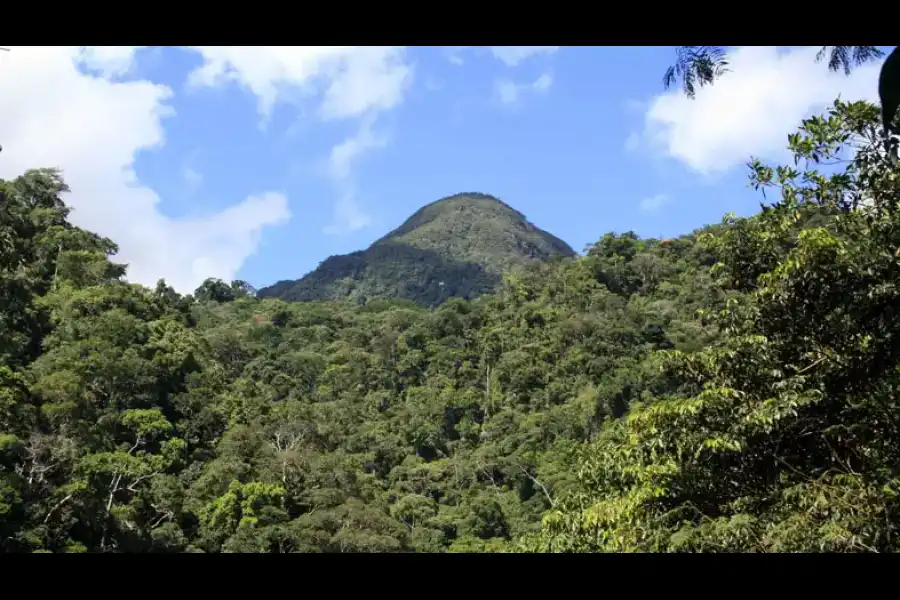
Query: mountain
x,y
459,246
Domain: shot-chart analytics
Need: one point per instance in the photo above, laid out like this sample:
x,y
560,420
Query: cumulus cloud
x,y
351,80
513,55
751,109
346,82
510,93
653,203
226,238
109,61
53,114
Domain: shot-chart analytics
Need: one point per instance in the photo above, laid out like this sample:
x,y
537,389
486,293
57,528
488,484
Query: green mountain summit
x,y
459,246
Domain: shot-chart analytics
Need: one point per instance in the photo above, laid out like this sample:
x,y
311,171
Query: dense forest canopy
x,y
458,247
728,390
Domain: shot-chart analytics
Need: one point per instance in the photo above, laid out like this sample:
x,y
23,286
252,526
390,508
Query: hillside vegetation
x,y
457,247
729,390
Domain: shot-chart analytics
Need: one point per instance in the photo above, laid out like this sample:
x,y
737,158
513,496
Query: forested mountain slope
x,y
457,247
139,420
731,390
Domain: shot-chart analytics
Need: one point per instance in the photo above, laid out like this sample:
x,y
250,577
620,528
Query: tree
x,y
215,290
697,66
785,436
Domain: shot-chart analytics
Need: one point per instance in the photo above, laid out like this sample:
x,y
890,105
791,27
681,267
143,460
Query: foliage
x,y
697,66
457,247
729,390
786,439
139,420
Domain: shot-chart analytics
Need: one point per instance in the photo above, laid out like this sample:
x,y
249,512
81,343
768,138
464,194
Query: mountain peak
x,y
462,205
458,246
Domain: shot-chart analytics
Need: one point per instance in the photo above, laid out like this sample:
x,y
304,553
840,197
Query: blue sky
x,y
258,163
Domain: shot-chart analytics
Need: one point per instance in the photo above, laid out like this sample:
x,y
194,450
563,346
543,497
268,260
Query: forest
x,y
457,247
730,390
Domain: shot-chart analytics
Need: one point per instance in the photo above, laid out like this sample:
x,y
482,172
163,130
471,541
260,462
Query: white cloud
x,y
348,214
653,203
110,61
751,109
513,55
193,179
510,92
226,238
507,91
351,81
542,83
54,115
344,155
453,54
